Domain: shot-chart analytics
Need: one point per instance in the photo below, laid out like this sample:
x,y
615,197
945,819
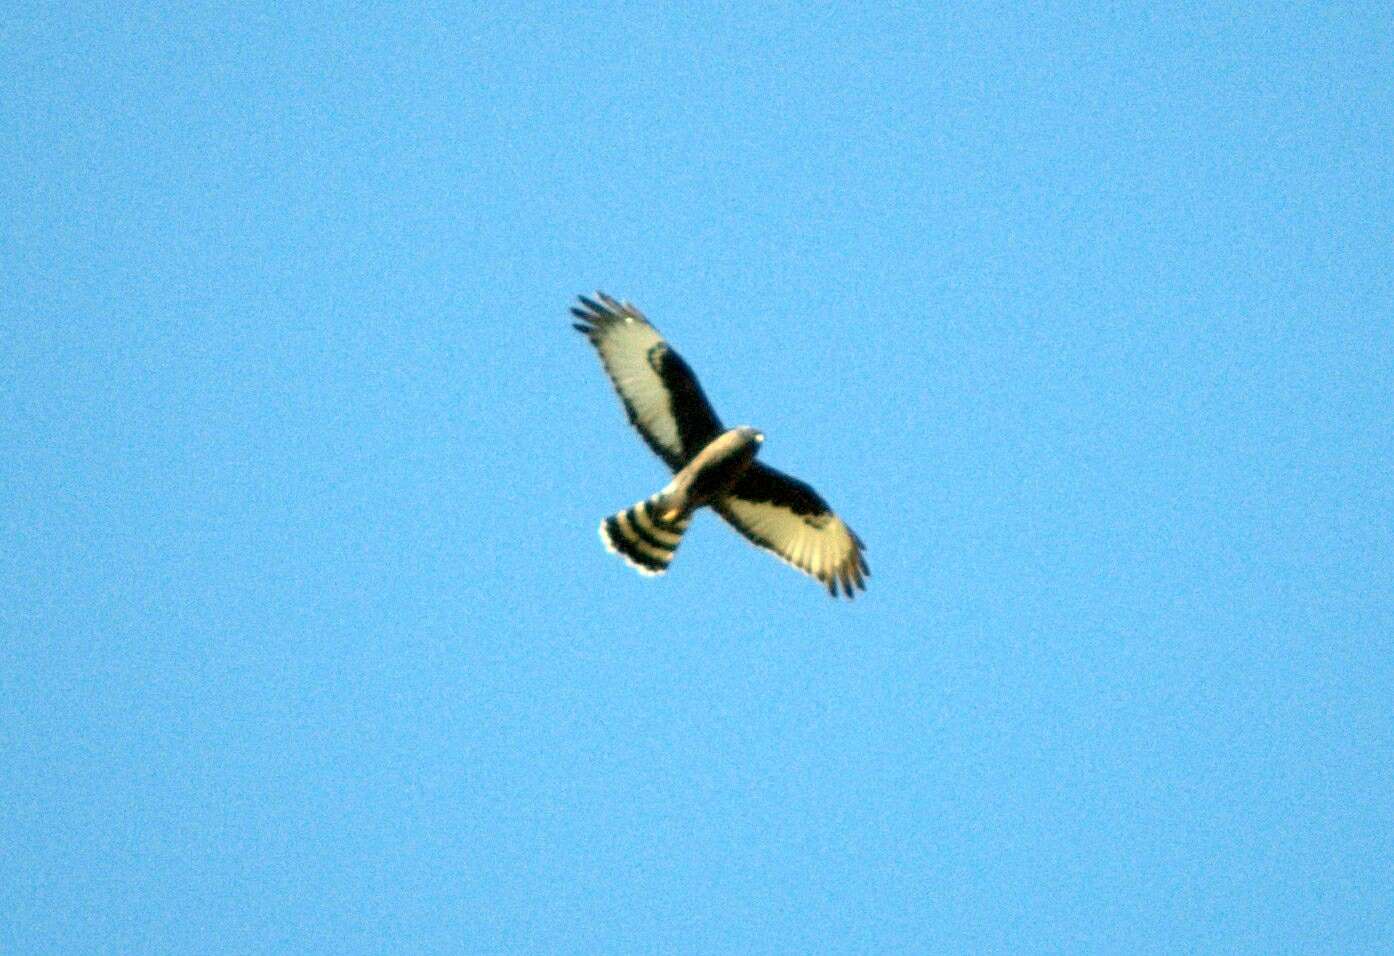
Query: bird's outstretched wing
x,y
788,518
659,391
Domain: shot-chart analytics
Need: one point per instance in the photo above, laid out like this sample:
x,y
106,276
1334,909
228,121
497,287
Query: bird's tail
x,y
646,535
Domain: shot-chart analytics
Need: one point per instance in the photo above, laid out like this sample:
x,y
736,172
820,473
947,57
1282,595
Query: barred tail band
x,y
641,536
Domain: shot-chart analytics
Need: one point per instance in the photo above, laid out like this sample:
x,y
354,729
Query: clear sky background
x,y
1082,317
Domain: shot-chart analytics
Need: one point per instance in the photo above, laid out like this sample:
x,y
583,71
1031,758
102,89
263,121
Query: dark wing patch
x,y
789,519
660,393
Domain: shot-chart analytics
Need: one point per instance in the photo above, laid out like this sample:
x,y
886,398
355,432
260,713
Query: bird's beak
x,y
759,436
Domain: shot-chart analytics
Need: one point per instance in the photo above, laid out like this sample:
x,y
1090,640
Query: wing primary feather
x,y
594,306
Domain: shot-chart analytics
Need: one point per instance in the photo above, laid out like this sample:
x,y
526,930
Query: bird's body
x,y
647,534
716,468
712,465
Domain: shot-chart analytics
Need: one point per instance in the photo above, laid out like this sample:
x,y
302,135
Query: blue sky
x,y
1081,317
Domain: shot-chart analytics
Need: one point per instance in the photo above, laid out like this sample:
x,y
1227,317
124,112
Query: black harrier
x,y
713,466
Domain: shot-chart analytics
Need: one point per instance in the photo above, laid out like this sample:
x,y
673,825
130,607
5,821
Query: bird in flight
x,y
712,465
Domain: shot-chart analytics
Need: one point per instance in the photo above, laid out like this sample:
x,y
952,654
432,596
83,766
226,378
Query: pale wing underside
x,y
787,518
660,394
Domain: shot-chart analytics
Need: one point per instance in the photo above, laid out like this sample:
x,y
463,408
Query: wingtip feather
x,y
595,307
